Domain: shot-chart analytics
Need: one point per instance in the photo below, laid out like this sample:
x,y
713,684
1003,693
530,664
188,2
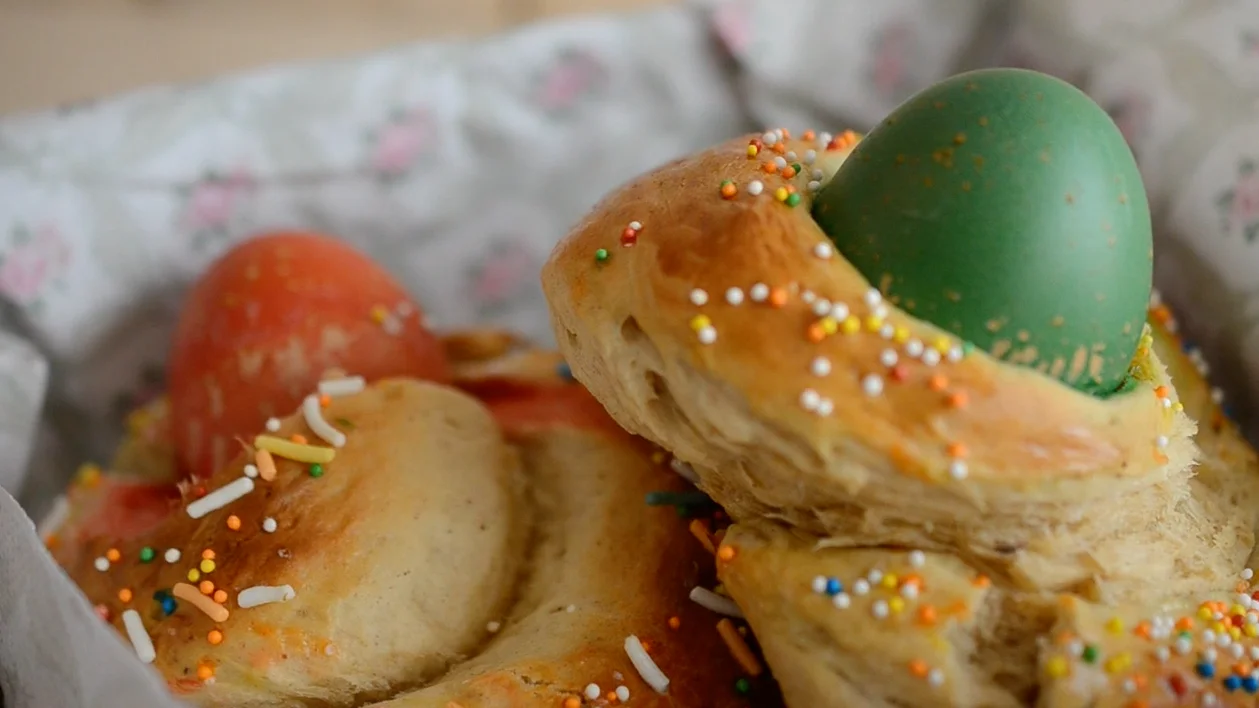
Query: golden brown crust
x,y
520,591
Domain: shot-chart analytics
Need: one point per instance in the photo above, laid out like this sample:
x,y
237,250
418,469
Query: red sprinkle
x,y
629,237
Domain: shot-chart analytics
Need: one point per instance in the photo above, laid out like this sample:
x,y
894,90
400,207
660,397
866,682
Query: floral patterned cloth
x,y
459,165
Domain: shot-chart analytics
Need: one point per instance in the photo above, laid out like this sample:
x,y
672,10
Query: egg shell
x,y
1004,206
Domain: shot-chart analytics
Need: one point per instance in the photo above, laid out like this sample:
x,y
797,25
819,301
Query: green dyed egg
x,y
1004,206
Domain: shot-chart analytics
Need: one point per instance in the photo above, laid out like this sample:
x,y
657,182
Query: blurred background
x,y
54,52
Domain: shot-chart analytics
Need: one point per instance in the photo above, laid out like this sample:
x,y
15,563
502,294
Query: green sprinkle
x,y
796,166
793,199
1090,653
601,255
316,470
743,687
146,554
678,499
967,348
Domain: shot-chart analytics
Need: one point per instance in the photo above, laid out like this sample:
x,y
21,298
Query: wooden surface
x,y
57,51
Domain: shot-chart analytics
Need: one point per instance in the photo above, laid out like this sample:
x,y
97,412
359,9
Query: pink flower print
x,y
214,200
400,143
501,275
889,72
575,75
31,263
1240,203
733,24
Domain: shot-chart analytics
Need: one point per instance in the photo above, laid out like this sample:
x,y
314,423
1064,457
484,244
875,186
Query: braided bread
x,y
478,545
918,522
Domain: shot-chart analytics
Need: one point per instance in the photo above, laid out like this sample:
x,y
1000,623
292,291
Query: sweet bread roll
x,y
453,551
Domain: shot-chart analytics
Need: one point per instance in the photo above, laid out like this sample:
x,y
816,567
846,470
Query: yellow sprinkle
x,y
1234,632
851,325
781,194
890,580
1056,667
752,151
699,322
901,335
1250,630
1204,613
1218,627
1117,663
1114,625
207,566
942,345
873,323
379,313
89,475
896,604
294,451
830,325
1236,610
194,575
1178,406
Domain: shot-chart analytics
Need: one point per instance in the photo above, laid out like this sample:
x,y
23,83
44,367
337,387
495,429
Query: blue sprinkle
x,y
1205,670
564,371
833,586
168,606
160,594
1232,683
1251,684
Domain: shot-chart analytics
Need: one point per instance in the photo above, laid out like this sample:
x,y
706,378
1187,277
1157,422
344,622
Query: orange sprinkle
x,y
789,172
957,450
188,593
205,672
815,333
124,595
778,297
958,399
646,646
299,439
208,554
1142,630
982,581
809,135
927,614
780,148
214,637
220,596
572,702
725,553
739,648
611,696
1242,668
675,622
791,189
265,464
113,555
324,400
1137,703
206,587
912,579
1160,458
938,382
50,542
769,167
699,529
1161,392
729,190
1184,623
918,668
785,133
233,522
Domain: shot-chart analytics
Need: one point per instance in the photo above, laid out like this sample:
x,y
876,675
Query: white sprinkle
x,y
825,407
699,297
403,309
880,311
873,297
1247,574
269,525
102,564
1217,395
888,357
958,470
570,609
1209,700
779,162
819,584
707,335
821,366
887,331
139,636
1237,650
769,139
874,576
711,600
221,497
822,307
880,609
759,292
251,471
809,399
622,694
55,517
917,558
273,424
344,386
1183,645
1129,686
755,187
841,601
618,676
909,591
872,385
818,174
810,156
791,156
860,587
1163,654
636,225
956,354
931,357
814,185
1254,652
647,669
914,348
684,470
935,677
172,555
1167,402
734,296
1075,647
313,413
264,595
493,626
839,311
808,297
592,691
823,140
